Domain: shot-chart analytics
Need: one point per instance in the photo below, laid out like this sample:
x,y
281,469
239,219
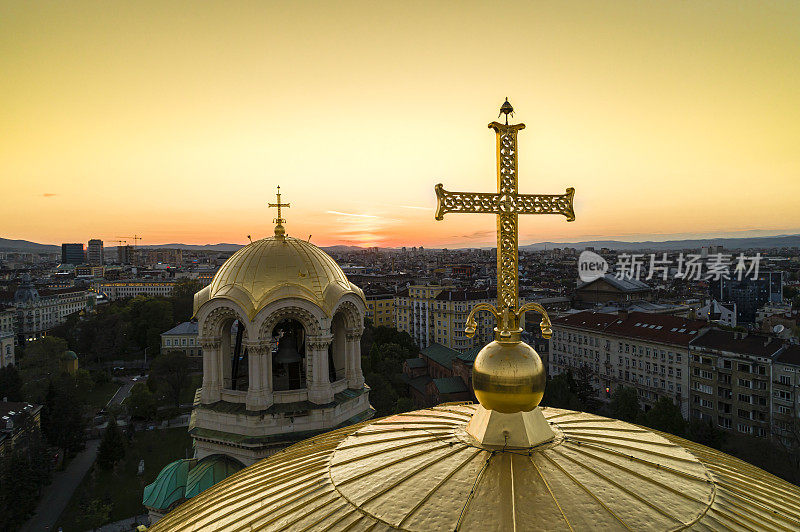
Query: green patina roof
x,y
441,354
209,471
169,486
69,355
418,383
447,385
469,355
415,363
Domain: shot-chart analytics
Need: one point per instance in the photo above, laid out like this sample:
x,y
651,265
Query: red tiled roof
x,y
753,344
661,328
790,355
596,321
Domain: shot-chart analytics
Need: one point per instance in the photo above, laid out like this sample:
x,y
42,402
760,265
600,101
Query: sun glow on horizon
x,y
176,121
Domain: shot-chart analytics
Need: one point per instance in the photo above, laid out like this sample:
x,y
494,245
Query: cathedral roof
x,y
276,268
422,471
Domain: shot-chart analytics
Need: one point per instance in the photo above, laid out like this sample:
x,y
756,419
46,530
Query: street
x,y
56,496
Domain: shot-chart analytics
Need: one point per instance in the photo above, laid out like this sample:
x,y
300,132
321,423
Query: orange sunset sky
x,y
175,120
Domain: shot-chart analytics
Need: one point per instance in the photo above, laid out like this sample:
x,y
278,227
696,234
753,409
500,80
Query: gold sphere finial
x,y
508,376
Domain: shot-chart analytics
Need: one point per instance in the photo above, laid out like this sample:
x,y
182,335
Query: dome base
x,y
520,430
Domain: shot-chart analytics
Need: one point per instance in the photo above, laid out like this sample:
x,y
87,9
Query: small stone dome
x,y
276,268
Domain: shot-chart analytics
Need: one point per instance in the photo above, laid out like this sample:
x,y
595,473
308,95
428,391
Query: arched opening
x,y
337,350
289,355
235,366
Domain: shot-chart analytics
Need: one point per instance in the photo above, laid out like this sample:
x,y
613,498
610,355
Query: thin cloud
x,y
352,214
49,194
415,207
477,235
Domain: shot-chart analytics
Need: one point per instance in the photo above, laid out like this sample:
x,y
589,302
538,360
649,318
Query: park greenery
x,y
24,471
118,330
383,350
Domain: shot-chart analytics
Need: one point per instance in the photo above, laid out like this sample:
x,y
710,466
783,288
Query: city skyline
x,y
178,124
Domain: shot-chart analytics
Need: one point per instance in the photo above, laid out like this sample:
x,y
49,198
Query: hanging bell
x,y
287,350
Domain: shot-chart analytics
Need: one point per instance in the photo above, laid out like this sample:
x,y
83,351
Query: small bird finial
x,y
507,109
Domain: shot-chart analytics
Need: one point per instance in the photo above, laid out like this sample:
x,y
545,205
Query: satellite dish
x,y
778,329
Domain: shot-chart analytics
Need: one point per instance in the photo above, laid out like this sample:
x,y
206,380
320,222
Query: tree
x,y
42,358
10,384
665,416
382,395
23,473
149,317
182,298
584,389
142,403
172,371
705,433
62,416
625,404
95,514
403,404
112,446
559,393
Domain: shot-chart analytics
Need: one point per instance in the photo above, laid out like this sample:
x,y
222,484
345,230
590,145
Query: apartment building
x,y
648,352
132,288
438,314
380,309
785,397
8,318
732,380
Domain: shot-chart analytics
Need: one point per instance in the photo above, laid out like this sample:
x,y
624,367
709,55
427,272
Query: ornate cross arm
x,y
493,203
508,319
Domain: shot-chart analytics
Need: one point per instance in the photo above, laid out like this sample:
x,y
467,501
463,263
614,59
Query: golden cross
x,y
507,204
279,220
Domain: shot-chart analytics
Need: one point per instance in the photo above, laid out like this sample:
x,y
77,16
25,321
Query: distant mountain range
x,y
728,243
30,247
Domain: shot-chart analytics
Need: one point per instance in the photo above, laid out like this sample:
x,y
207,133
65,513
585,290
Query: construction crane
x,y
134,238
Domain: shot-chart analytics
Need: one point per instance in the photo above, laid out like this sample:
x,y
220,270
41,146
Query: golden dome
x,y
276,268
508,377
422,471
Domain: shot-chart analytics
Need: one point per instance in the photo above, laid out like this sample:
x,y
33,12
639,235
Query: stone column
x,y
318,382
355,377
212,385
259,391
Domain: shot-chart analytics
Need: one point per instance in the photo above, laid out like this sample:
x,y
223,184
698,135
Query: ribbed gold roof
x,y
275,268
422,471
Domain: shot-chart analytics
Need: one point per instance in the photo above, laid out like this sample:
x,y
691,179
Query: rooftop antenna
x,y
250,239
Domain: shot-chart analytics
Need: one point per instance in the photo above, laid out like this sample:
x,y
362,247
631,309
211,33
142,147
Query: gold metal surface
x,y
508,376
507,204
279,229
276,268
420,471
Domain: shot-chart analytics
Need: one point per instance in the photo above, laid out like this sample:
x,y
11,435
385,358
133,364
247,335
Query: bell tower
x,y
280,327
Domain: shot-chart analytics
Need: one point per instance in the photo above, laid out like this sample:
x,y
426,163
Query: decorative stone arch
x,y
309,315
352,309
215,319
347,326
212,317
